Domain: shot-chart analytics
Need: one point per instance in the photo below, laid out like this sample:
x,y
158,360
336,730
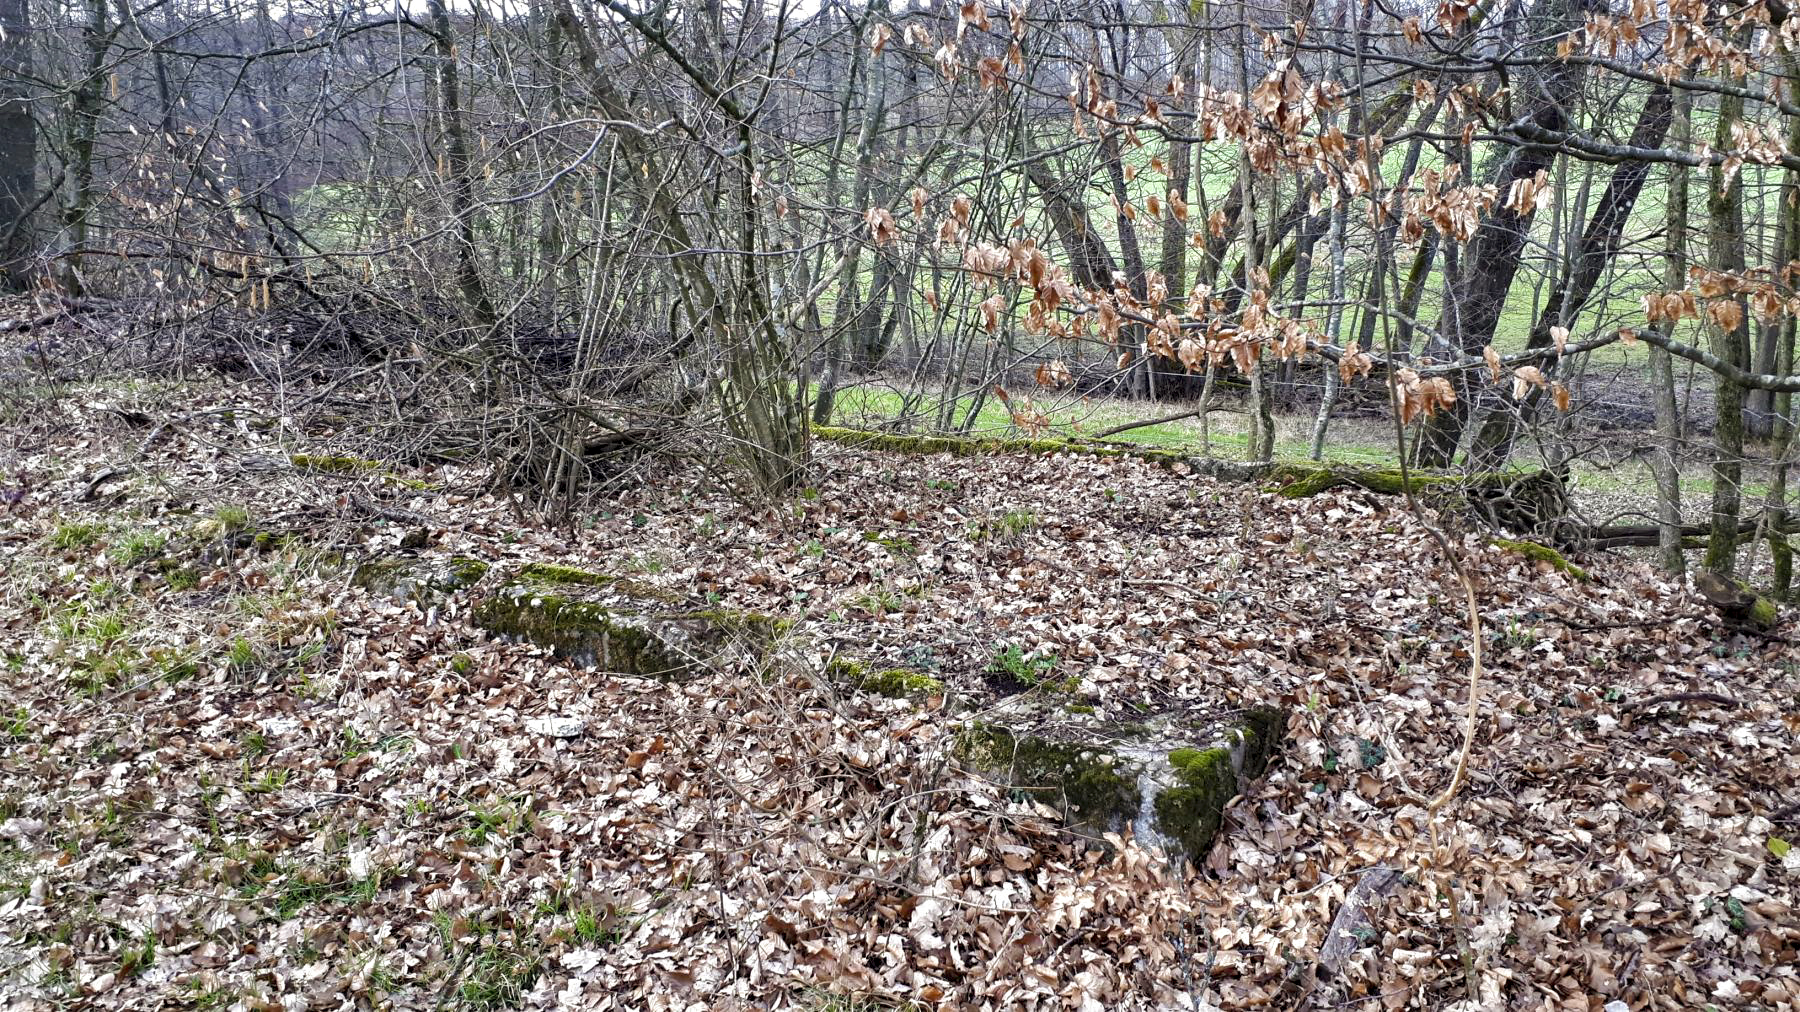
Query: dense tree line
x,y
613,217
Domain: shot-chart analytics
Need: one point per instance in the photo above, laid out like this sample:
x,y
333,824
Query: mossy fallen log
x,y
552,573
1545,554
318,463
630,638
1169,779
1534,503
971,446
1299,481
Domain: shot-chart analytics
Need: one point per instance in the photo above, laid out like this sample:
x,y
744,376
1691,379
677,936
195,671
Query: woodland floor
x,y
232,780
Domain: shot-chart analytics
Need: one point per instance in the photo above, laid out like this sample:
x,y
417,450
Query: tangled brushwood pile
x,y
257,755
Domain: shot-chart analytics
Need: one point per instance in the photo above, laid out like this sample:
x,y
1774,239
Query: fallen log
x,y
1532,503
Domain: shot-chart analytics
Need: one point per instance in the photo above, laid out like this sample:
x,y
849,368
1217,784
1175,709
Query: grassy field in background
x,y
1602,489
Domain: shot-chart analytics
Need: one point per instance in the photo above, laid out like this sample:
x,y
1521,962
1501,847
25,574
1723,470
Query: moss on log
x,y
970,446
1298,481
1545,554
1737,602
1531,502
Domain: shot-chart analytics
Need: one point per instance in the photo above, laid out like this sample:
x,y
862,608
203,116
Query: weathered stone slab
x,y
629,633
425,580
1168,778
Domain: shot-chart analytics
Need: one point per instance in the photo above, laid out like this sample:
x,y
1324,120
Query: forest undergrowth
x,y
232,778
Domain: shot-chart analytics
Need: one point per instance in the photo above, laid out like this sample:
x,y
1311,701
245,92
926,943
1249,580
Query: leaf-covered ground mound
x,y
234,775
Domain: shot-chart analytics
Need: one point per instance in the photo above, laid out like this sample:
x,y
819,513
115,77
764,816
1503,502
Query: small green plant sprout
x,y
1015,522
241,655
231,519
1031,668
602,925
139,547
75,535
134,958
271,782
879,601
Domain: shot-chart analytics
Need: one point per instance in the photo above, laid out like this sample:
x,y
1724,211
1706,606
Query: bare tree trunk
x,y
849,302
18,148
456,158
1478,297
1662,372
1585,264
1334,320
1725,252
80,131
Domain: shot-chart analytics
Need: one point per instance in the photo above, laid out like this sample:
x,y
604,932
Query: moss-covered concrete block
x,y
1168,779
556,574
550,572
894,683
625,639
423,580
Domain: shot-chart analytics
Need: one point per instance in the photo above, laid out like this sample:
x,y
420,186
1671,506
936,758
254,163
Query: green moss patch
x,y
1091,785
555,574
1192,811
550,572
418,579
894,683
1108,775
970,446
1545,554
668,647
325,464
1298,481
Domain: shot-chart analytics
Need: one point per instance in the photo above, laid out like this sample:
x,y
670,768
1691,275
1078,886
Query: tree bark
x,y
1662,371
18,149
456,158
1580,274
1492,260
1725,252
80,131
